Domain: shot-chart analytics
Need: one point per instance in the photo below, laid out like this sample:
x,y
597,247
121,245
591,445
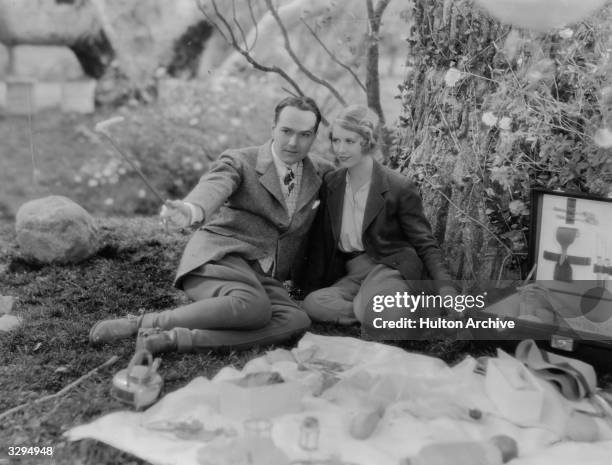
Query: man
x,y
256,205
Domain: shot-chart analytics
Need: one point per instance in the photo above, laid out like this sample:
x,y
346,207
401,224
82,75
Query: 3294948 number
x,y
31,450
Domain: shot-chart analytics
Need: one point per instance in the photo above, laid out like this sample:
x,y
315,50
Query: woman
x,y
371,237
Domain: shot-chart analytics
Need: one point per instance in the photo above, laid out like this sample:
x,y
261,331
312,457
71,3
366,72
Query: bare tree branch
x,y
380,8
297,61
255,24
62,391
231,39
237,23
293,94
372,56
333,56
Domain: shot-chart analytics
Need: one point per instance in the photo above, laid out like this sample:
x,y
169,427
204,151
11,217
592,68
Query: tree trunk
x,y
372,58
490,112
440,143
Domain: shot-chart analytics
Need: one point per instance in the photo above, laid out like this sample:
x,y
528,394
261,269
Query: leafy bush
x,y
490,112
174,139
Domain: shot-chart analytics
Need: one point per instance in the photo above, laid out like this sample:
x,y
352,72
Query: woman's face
x,y
347,146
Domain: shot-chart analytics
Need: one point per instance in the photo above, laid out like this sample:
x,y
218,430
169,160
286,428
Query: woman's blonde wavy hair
x,y
361,120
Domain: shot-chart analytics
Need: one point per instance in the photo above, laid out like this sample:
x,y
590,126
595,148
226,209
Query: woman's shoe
x,y
114,330
156,340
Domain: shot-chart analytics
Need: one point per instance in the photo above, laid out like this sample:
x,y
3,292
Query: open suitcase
x,y
568,305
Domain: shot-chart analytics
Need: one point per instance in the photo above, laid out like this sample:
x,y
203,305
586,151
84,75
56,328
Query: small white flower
x,y
505,123
452,76
142,194
222,138
78,179
107,172
489,119
92,183
566,33
193,121
198,166
517,207
534,76
235,122
603,138
108,202
121,171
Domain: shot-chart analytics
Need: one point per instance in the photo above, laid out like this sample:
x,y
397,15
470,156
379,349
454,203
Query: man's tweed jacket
x,y
245,211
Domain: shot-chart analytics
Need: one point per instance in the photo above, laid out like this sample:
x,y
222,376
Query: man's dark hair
x,y
301,103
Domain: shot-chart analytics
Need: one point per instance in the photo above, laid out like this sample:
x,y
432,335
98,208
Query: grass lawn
x,y
59,304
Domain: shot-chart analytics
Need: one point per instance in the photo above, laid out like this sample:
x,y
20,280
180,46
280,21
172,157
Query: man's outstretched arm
x,y
213,189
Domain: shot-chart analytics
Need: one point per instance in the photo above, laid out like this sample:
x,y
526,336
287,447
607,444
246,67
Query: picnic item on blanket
x,y
260,378
309,433
243,451
364,423
138,385
437,406
495,451
574,378
256,447
192,430
514,390
425,402
582,428
264,401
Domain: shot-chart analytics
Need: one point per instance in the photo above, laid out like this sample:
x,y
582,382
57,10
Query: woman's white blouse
x,y
353,211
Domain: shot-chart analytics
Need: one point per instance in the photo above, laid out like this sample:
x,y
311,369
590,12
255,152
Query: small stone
x,y
8,323
6,304
56,229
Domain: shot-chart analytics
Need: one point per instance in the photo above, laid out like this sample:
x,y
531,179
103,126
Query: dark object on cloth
x,y
261,378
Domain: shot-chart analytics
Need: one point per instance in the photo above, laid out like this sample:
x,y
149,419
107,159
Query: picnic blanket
x,y
333,379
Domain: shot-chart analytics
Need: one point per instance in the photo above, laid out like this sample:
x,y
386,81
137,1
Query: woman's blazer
x,y
395,230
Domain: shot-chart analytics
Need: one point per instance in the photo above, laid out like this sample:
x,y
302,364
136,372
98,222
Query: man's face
x,y
293,134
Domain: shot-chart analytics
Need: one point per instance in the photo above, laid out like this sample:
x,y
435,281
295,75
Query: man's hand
x,y
177,213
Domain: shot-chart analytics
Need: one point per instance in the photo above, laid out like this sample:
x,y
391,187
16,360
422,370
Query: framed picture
x,y
571,248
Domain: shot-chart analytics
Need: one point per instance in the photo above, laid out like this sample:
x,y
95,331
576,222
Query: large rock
x,y
46,63
56,229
